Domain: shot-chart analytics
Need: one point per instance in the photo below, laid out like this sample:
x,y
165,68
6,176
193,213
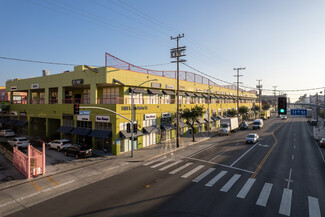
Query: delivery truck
x,y
265,114
228,125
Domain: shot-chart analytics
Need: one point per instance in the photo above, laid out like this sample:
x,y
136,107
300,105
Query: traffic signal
x,y
76,109
282,105
135,128
128,128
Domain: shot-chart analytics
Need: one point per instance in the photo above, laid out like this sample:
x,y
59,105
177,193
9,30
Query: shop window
x,y
110,95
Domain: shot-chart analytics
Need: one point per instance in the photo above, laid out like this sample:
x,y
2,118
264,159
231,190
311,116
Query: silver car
x,y
21,142
252,138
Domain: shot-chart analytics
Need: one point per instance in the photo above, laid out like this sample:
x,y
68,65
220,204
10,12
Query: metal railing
x,y
76,101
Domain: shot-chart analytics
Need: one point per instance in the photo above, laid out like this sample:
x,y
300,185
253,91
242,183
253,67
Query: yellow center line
x,y
52,180
268,153
35,186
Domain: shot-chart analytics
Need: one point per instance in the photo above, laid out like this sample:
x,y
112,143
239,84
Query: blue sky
x,y
280,42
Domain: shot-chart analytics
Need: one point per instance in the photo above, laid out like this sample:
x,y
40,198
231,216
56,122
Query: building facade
x,y
47,109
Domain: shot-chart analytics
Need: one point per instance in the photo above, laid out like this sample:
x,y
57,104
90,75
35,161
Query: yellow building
x,y
48,107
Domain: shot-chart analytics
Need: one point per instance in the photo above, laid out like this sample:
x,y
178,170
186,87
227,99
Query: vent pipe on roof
x,y
46,72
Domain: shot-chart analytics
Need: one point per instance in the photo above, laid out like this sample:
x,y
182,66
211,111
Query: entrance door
x,y
77,98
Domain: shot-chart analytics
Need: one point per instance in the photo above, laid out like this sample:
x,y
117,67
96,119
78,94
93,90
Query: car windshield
x,y
66,142
256,122
251,136
23,140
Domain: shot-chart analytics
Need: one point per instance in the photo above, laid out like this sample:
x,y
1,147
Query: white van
x,y
258,124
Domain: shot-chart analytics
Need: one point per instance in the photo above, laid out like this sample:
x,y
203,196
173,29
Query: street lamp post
x,y
132,114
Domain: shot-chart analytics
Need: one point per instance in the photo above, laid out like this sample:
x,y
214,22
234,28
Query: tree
x,y
302,98
266,107
191,116
256,108
232,113
243,110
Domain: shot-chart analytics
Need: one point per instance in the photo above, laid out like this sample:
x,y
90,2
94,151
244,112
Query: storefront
x,y
150,130
126,138
102,134
166,126
84,126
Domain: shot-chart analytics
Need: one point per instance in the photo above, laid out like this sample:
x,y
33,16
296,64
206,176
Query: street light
x,y
132,115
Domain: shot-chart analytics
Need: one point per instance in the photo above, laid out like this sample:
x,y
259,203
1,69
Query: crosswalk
x,y
210,176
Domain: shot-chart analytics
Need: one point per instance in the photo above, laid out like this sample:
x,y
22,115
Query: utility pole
x,y
177,53
238,75
259,86
275,97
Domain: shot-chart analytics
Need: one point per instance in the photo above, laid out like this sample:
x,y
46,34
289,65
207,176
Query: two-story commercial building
x,y
47,109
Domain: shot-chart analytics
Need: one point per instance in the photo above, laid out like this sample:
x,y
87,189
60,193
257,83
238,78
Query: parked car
x,y
313,123
21,142
38,141
7,132
322,142
284,117
77,151
243,126
252,138
59,144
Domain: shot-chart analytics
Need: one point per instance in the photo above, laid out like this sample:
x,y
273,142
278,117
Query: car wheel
x,y
58,148
66,153
77,156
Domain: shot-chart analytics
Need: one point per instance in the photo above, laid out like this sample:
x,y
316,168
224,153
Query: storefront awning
x,y
189,94
206,119
182,93
152,91
124,134
205,95
151,129
215,118
220,117
200,121
101,134
167,127
11,122
64,129
81,131
21,123
137,90
3,120
168,92
182,124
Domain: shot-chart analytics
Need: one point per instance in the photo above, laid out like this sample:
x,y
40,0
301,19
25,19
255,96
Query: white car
x,y
21,142
252,138
59,144
7,133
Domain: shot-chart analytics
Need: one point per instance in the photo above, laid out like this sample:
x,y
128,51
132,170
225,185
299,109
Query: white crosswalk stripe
x,y
285,206
313,206
186,175
170,165
264,195
203,175
180,168
161,163
244,191
230,183
216,178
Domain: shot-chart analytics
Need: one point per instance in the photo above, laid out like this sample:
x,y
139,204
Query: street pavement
x,y
281,175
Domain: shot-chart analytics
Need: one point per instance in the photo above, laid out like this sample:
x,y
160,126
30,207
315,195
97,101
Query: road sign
x,y
84,112
298,111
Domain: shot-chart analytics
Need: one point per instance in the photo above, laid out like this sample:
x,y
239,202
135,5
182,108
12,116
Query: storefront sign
x,y
23,113
126,108
84,112
166,115
190,89
34,86
182,87
12,88
168,86
83,117
156,85
207,91
77,81
150,116
198,90
14,113
103,119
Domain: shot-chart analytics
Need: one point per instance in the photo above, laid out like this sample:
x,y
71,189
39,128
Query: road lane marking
x,y
230,183
313,205
268,153
180,168
264,195
35,186
292,157
151,162
219,154
170,165
285,207
244,191
186,175
203,175
294,147
216,178
289,180
161,163
52,180
244,154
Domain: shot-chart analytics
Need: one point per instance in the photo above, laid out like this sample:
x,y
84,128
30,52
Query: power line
x,y
37,61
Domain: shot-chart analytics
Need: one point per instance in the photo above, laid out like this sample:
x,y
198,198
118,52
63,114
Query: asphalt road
x,y
282,175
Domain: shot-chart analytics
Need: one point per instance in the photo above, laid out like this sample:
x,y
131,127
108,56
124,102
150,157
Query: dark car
x,y
77,151
38,141
313,123
243,126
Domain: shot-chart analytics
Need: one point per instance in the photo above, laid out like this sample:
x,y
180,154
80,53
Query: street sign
x,y
298,111
84,112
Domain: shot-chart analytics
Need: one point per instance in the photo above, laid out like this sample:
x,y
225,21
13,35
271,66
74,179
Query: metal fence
x,y
32,164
